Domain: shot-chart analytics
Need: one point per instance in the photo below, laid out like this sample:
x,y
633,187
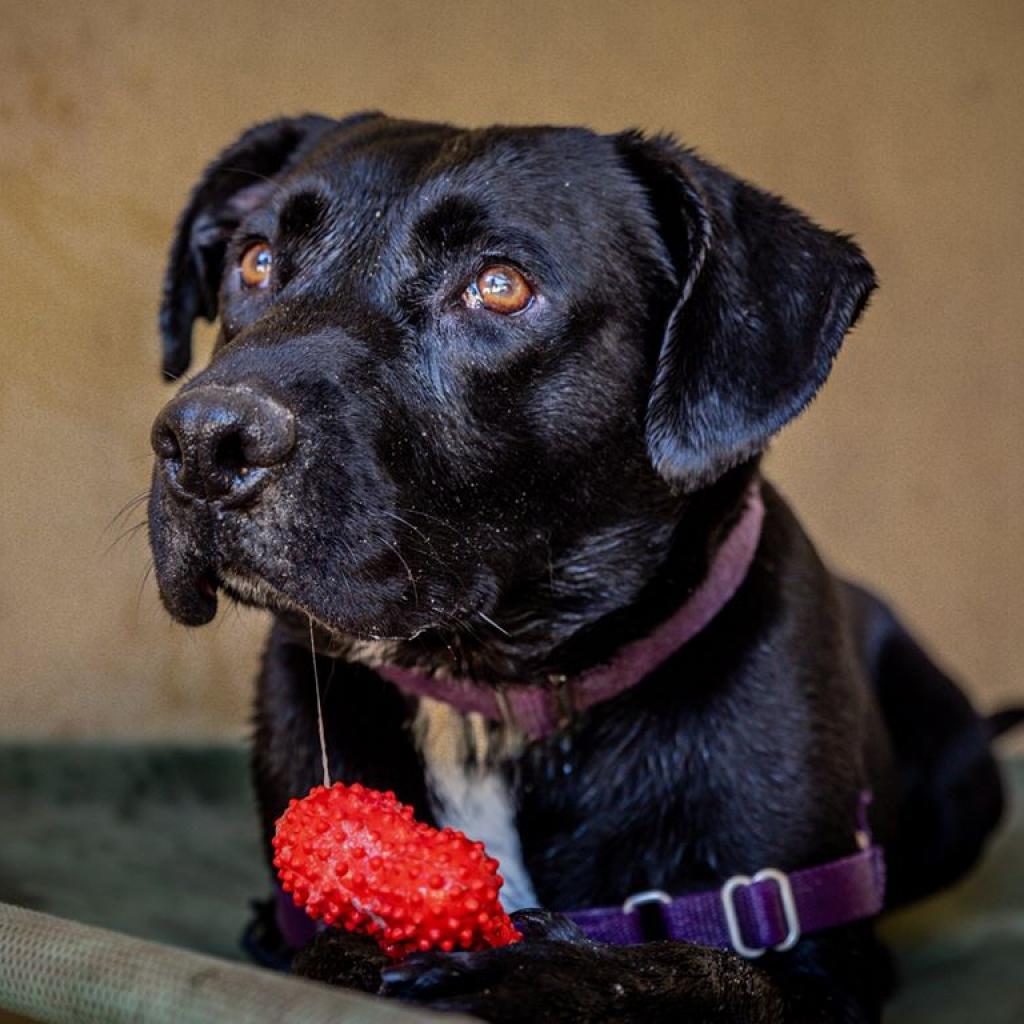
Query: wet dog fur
x,y
515,497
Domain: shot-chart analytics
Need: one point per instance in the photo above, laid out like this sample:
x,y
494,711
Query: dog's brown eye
x,y
256,264
499,288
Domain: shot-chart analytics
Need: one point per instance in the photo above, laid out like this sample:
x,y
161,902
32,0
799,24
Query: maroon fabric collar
x,y
538,710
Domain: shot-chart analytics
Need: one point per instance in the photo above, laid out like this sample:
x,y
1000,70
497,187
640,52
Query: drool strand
x,y
319,708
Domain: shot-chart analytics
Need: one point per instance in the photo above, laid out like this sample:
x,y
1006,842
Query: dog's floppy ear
x,y
765,299
237,181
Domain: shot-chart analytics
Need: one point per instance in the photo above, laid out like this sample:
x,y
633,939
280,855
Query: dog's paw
x,y
533,982
546,924
555,974
341,958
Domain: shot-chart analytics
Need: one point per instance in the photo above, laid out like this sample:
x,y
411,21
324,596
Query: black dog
x,y
489,405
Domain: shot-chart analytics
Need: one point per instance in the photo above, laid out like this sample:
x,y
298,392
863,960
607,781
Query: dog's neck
x,y
691,555
539,709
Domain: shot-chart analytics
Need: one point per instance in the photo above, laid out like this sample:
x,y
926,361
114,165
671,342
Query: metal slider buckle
x,y
630,903
732,920
564,698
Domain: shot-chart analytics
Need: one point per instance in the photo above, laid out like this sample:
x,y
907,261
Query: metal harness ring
x,y
732,920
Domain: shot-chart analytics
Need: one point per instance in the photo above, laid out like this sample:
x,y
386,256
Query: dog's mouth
x,y
196,603
190,596
191,589
206,584
354,589
254,591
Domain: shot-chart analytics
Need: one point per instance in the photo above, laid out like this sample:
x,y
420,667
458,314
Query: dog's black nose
x,y
219,443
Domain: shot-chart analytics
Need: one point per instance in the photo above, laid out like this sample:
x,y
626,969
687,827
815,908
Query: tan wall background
x,y
901,122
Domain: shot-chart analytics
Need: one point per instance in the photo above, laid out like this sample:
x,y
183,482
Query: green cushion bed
x,y
161,843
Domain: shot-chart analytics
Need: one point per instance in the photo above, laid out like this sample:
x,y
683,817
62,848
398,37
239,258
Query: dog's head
x,y
471,376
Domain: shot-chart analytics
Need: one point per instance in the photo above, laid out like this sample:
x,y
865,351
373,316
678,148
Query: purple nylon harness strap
x,y
770,911
750,915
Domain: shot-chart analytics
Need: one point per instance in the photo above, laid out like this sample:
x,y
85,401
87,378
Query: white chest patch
x,y
463,756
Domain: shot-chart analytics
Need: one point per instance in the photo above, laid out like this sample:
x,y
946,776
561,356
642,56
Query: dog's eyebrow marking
x,y
301,213
459,227
452,224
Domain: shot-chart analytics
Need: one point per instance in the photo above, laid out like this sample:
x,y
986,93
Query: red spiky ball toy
x,y
355,857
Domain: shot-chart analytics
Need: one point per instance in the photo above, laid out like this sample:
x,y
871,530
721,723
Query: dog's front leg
x,y
556,975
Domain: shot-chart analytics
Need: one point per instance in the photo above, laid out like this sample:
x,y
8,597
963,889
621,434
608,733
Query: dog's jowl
x,y
483,428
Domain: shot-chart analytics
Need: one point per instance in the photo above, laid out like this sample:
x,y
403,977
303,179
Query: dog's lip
x,y
193,600
252,589
207,583
256,591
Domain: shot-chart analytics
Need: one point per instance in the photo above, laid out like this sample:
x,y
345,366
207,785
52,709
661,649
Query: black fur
x,y
516,497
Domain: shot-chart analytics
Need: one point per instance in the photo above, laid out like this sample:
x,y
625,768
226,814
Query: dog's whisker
x,y
125,535
405,522
466,626
142,585
258,176
491,622
129,506
330,676
439,520
343,577
408,569
440,565
431,550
